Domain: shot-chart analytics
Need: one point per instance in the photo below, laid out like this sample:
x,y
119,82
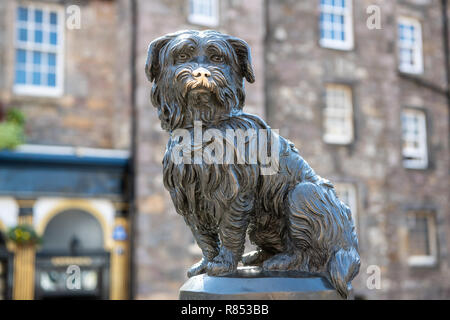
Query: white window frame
x,y
425,260
29,46
346,113
201,19
414,158
347,12
416,47
351,201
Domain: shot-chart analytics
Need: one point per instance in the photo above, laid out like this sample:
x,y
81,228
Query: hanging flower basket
x,y
23,234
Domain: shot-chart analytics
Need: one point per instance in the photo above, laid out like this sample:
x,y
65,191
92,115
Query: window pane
x,y
38,16
406,56
51,59
23,34
38,36
53,38
418,236
410,47
414,139
202,11
21,77
22,14
21,56
53,18
36,78
36,57
51,80
338,126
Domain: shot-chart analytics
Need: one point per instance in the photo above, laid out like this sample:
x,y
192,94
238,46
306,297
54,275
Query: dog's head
x,y
198,75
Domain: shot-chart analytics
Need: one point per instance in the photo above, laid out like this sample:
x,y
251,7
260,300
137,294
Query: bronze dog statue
x,y
293,216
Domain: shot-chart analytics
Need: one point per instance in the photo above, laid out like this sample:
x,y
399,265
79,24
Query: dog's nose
x,y
201,73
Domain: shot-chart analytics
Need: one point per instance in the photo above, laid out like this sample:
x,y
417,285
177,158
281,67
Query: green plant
x,y
15,116
12,129
23,234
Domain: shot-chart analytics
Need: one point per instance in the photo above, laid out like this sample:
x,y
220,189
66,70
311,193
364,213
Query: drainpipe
x,y
134,145
266,36
445,38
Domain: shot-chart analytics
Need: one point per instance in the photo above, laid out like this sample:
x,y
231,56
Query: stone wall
x,y
86,113
297,71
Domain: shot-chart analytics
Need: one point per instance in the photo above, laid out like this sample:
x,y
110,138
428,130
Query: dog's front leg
x,y
209,244
232,230
208,241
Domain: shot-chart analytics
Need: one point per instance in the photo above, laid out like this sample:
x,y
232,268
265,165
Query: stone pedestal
x,y
251,283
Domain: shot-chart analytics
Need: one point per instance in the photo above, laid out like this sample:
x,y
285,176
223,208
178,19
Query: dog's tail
x,y
343,266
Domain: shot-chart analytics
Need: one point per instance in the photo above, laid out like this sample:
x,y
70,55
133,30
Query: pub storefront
x,y
75,202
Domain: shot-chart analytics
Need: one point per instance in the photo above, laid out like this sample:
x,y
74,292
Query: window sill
x,y
422,261
414,166
34,91
203,21
338,141
340,46
411,71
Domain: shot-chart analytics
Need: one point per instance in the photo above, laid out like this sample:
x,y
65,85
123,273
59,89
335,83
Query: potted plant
x,y
23,234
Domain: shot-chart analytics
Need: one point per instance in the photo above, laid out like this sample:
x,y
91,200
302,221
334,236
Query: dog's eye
x,y
217,58
182,57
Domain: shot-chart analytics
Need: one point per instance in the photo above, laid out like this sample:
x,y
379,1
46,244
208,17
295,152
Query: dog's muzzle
x,y
201,74
197,79
202,79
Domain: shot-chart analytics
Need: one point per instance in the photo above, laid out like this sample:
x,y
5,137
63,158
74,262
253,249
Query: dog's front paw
x,y
223,264
220,268
198,268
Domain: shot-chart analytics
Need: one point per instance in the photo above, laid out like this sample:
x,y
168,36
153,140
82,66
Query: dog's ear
x,y
152,65
242,50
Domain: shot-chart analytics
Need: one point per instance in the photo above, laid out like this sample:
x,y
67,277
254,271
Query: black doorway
x,y
72,263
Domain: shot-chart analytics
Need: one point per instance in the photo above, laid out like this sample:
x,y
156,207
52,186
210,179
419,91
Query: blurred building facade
x,y
367,108
70,181
364,101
